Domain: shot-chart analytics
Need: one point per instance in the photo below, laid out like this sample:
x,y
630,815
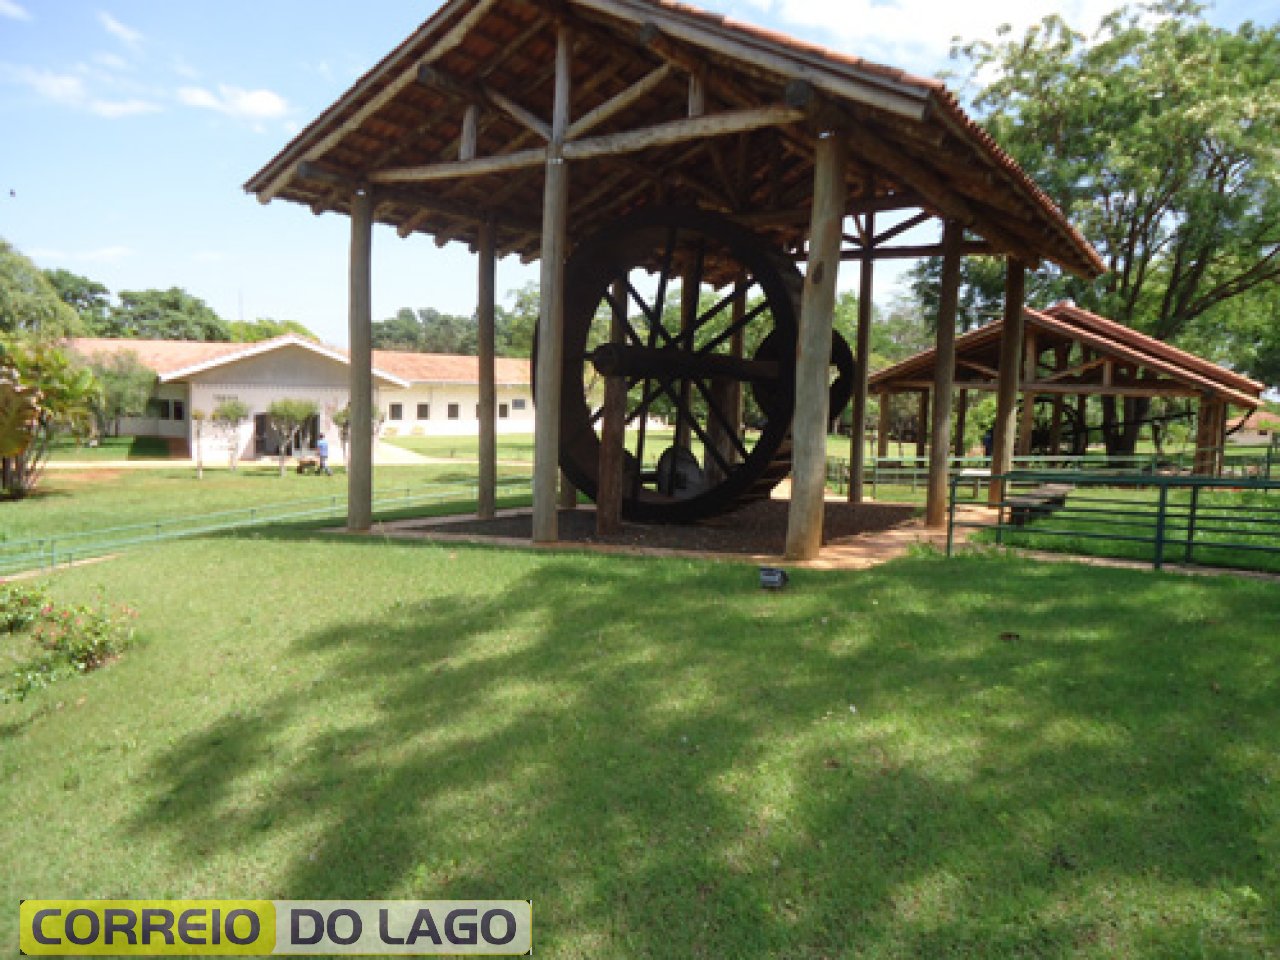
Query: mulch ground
x,y
757,529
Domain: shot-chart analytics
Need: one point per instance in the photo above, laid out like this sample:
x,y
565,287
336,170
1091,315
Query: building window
x,y
517,403
158,409
454,411
503,412
395,411
424,411
179,410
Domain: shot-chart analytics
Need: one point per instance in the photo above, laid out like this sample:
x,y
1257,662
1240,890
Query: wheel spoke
x,y
730,428
742,324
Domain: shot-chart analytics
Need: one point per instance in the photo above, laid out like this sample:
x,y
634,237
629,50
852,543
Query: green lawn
x,y
111,448
976,758
74,502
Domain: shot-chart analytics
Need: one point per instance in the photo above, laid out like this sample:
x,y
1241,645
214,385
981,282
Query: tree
x,y
126,386
28,301
1159,138
88,298
227,417
515,327
264,328
288,417
171,314
39,375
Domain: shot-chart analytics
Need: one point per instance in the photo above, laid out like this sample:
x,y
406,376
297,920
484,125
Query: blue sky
x,y
129,126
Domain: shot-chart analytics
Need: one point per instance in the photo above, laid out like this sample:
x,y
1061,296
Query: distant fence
x,y
910,475
44,553
1225,522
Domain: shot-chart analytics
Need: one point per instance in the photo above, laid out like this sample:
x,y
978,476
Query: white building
x,y
415,394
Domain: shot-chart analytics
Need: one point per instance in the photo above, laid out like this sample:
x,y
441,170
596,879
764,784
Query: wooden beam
x,y
862,371
459,169
610,108
485,311
944,377
360,369
613,430
968,248
407,77
1005,428
813,359
680,131
1164,389
546,453
470,133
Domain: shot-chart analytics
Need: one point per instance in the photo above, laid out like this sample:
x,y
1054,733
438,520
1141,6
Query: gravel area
x,y
758,528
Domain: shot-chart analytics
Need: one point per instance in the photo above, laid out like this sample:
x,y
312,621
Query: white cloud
x,y
13,10
236,102
112,61
913,35
114,109
99,255
118,30
69,90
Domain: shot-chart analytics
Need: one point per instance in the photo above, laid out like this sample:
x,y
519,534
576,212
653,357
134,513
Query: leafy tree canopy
x,y
28,301
171,314
88,298
1159,137
264,328
126,386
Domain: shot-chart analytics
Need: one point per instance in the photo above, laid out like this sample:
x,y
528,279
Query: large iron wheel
x,y
690,359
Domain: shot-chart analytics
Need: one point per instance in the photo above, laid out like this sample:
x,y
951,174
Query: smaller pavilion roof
x,y
1111,359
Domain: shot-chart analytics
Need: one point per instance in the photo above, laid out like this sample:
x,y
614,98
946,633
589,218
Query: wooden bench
x,y
1040,501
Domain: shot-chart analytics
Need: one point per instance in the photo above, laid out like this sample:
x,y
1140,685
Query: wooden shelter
x,y
1070,354
524,126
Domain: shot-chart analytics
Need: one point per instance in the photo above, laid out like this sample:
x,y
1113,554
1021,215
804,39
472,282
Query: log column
x,y
882,436
1030,369
555,213
1210,436
1005,430
813,356
360,336
488,491
613,430
922,425
944,376
862,368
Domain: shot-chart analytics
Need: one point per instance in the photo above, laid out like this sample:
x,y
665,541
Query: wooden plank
x,y
613,430
813,360
862,371
470,133
485,310
944,377
460,169
393,89
546,444
620,102
680,131
970,248
1004,430
360,369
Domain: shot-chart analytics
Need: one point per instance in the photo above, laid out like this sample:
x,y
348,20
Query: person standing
x,y
322,451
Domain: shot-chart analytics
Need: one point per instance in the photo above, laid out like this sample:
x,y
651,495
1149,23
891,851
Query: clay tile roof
x,y
162,356
447,368
912,146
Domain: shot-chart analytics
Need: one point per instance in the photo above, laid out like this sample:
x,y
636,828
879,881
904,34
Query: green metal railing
x,y
911,474
1218,521
43,553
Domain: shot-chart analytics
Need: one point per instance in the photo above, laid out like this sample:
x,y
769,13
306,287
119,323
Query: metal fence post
x,y
1191,522
1160,525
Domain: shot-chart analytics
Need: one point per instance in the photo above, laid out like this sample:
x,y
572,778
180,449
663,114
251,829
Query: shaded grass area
x,y
111,448
977,758
1236,529
74,502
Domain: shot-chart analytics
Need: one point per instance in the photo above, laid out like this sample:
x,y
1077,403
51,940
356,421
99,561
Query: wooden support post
x,y
962,423
922,425
882,436
360,336
1061,362
485,308
726,392
1211,426
813,356
1004,429
555,210
568,493
1030,369
944,375
862,367
689,293
613,430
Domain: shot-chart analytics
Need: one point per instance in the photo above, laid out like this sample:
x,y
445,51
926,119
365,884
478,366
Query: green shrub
x,y
20,606
68,641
